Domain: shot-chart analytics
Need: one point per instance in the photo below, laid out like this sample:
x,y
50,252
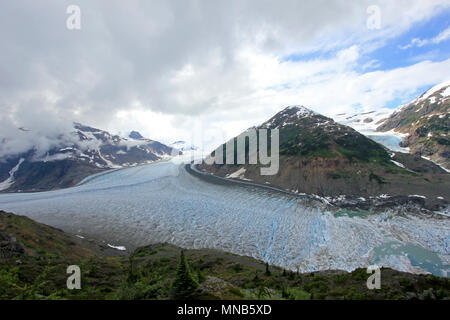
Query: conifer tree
x,y
267,269
184,284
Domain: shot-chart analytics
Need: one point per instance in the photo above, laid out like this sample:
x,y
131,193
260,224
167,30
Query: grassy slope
x,y
148,273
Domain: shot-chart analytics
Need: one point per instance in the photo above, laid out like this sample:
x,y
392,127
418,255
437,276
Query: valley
x,y
162,202
229,150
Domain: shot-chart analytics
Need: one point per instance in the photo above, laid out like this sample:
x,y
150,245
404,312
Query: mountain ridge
x,y
84,151
425,122
322,157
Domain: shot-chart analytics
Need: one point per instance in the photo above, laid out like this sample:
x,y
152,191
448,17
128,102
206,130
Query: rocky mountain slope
x,y
75,155
322,157
159,149
34,258
426,122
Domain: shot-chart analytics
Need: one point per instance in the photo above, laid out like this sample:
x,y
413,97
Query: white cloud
x,y
416,42
444,35
167,67
327,86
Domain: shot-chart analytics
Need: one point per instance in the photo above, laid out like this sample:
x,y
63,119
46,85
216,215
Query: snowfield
x,y
161,202
390,139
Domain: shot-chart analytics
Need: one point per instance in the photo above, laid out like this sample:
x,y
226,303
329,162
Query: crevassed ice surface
x,y
161,202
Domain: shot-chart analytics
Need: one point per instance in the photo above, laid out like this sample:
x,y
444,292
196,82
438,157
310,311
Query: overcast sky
x,y
165,68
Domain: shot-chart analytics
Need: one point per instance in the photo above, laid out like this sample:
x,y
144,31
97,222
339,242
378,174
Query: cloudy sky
x,y
184,69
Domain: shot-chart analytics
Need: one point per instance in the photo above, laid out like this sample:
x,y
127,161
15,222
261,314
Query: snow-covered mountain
x,y
424,124
364,120
72,156
135,135
419,127
183,146
158,148
367,124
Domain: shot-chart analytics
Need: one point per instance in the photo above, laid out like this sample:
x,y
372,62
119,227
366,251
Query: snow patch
x,y
441,166
9,182
416,196
398,164
433,90
237,174
446,92
109,164
120,248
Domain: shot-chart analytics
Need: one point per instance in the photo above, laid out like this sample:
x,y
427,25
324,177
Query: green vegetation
x,y
305,143
358,147
184,284
295,294
164,271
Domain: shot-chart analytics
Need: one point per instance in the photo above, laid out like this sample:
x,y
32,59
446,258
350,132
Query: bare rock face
x,y
9,247
135,135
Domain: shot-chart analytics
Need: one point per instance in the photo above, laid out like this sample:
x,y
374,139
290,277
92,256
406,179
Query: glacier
x,y
162,202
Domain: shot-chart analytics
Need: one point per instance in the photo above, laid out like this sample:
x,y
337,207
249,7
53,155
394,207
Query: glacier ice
x,y
161,202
